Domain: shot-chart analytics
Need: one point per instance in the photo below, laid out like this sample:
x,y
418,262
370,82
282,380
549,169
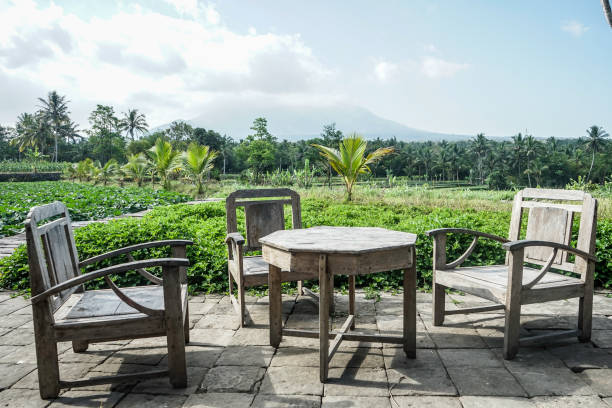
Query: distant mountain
x,y
305,122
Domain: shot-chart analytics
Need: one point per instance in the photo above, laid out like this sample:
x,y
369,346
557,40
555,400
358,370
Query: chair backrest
x,y
551,218
262,217
52,254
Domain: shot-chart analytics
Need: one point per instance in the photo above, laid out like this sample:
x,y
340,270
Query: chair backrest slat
x,y
262,217
52,254
553,221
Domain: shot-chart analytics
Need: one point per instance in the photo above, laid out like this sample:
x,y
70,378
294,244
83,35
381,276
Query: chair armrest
x,y
124,267
235,237
515,245
132,248
435,232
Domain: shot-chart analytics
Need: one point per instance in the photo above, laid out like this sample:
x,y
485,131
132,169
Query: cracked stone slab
x,y
251,337
602,338
551,381
289,381
531,358
599,380
355,402
362,382
426,402
582,356
485,382
496,402
11,373
210,321
425,359
259,356
67,372
151,401
17,337
232,379
162,385
219,400
210,337
569,402
93,399
283,401
22,398
469,358
408,381
147,356
198,356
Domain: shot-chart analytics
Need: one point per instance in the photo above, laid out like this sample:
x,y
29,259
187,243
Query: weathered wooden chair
x,y
101,315
547,243
262,217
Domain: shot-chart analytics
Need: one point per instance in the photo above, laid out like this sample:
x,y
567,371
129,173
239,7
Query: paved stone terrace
x,y
457,365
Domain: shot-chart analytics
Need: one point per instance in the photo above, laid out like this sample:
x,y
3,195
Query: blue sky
x,y
448,66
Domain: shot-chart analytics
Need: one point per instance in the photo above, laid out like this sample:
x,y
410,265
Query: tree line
x,y
522,160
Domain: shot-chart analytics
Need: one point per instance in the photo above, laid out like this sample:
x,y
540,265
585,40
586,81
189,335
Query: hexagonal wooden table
x,y
329,251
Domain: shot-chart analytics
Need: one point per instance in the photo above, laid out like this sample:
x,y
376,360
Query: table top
x,y
339,240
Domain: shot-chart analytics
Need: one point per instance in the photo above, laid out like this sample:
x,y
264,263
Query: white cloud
x,y
433,67
385,70
430,48
138,55
575,28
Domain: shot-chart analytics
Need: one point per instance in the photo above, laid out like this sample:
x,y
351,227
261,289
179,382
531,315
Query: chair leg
x,y
585,317
175,332
80,346
48,368
186,324
332,303
300,289
351,282
241,303
438,304
512,332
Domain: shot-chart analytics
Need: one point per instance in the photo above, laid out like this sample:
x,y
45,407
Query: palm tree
x,y
106,172
55,110
197,163
518,144
595,141
350,160
480,146
532,148
134,122
165,159
137,167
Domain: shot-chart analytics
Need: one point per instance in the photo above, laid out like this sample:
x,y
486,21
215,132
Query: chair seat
x,y
256,272
103,308
491,282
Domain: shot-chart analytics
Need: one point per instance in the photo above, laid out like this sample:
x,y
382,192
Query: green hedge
x,y
45,176
205,225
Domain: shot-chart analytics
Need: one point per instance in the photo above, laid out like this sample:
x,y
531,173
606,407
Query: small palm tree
x,y
84,169
136,168
350,160
107,172
595,142
132,122
164,159
197,163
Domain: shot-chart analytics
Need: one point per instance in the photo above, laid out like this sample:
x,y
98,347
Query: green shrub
x,y
205,225
23,177
85,201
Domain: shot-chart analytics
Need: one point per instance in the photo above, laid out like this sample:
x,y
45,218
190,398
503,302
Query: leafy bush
x,y
85,202
42,176
205,225
29,165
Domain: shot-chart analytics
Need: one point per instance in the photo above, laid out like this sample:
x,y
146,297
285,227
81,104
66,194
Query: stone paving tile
x,y
67,372
602,338
602,322
201,308
13,321
608,401
469,358
17,337
11,373
289,381
258,356
551,381
408,381
599,380
218,322
583,355
355,402
364,382
22,398
283,401
531,358
198,356
425,402
144,355
233,379
219,400
162,385
425,358
211,337
569,402
485,381
251,337
496,402
94,399
151,401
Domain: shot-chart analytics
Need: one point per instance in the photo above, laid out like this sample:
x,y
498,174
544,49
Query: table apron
x,y
340,264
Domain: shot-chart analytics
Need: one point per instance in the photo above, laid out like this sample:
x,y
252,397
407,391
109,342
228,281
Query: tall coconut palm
x,y
350,160
595,142
197,163
532,147
134,122
518,144
480,147
136,167
164,159
55,110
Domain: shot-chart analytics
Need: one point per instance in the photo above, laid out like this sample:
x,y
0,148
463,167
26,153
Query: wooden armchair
x,y
547,243
262,217
101,315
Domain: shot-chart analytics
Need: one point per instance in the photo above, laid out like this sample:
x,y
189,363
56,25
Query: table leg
x,y
324,300
351,282
276,305
410,312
